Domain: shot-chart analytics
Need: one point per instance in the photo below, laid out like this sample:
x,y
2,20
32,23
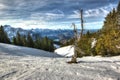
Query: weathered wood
x,y
81,17
76,39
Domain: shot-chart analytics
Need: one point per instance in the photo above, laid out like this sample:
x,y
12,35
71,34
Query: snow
x,y
21,63
24,51
66,51
93,43
56,46
118,47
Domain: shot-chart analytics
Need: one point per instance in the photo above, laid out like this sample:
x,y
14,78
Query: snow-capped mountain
x,y
13,31
58,34
52,34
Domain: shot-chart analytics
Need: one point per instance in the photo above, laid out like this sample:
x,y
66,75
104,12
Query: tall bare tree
x,y
81,17
77,38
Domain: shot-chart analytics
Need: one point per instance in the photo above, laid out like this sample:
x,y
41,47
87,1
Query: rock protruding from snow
x,y
66,51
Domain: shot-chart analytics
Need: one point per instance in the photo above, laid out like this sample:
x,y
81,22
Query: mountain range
x,y
54,34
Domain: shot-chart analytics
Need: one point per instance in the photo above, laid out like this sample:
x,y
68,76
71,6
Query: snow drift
x,y
66,51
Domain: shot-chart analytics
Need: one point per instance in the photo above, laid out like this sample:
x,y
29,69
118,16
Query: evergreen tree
x,y
24,41
14,41
118,15
118,7
50,45
3,36
18,39
44,43
110,21
38,43
30,42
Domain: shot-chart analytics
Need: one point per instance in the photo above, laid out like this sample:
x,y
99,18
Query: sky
x,y
54,14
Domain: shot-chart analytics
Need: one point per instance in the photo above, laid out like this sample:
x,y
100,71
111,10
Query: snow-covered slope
x,y
21,63
66,51
7,49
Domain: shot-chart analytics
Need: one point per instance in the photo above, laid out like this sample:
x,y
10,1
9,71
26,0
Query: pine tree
x,y
38,43
24,41
110,21
14,41
3,36
50,45
118,15
18,39
44,43
118,7
30,42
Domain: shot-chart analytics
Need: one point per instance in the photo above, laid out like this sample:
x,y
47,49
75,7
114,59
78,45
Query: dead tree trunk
x,y
74,57
81,17
76,39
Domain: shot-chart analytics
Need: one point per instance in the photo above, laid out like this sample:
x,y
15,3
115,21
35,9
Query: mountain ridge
x,y
57,34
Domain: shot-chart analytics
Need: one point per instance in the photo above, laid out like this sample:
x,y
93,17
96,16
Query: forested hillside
x,y
23,40
108,38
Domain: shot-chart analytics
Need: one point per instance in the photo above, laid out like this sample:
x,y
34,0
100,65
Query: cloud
x,y
96,12
48,16
2,6
94,25
99,12
76,14
25,24
45,13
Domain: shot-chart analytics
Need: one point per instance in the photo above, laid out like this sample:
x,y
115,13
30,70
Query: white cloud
x,y
93,25
87,25
96,12
75,15
33,24
99,12
2,6
29,24
47,16
25,24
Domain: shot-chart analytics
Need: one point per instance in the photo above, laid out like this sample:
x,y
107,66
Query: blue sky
x,y
54,14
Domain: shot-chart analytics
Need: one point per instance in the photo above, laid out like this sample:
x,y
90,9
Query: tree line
x,y
27,41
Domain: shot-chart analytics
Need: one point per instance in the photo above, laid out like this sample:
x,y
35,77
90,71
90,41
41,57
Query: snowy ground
x,y
20,63
67,51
